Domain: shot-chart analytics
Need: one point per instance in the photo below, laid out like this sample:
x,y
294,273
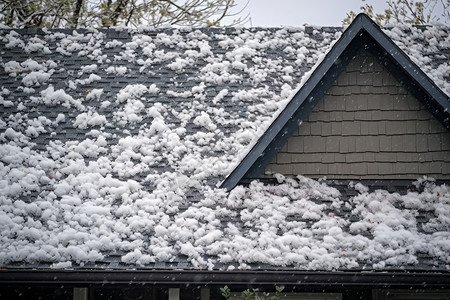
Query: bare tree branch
x,y
76,14
107,13
407,11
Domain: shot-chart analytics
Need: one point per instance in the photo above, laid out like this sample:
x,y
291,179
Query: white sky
x,y
276,13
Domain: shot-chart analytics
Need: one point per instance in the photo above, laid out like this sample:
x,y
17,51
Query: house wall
x,y
367,126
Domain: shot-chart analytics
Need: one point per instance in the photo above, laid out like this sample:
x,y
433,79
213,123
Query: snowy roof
x,y
114,144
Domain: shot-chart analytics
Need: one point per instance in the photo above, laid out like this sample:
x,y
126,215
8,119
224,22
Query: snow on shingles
x,y
104,156
396,236
427,46
289,227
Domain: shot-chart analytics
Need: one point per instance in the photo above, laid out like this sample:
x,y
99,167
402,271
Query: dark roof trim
x,y
408,66
165,277
362,30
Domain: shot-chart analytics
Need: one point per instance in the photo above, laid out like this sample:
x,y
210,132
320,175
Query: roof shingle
x,y
113,144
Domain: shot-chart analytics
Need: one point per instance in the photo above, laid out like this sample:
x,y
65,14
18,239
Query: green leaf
x,y
279,288
225,291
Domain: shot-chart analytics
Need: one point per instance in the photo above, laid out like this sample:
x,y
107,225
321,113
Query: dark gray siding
x,y
367,127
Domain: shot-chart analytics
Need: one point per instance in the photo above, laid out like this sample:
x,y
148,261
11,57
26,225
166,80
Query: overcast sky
x,y
276,13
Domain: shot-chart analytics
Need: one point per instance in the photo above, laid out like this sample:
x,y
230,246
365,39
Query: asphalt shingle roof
x,y
113,144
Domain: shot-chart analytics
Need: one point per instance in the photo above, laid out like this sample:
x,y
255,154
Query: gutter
x,y
172,277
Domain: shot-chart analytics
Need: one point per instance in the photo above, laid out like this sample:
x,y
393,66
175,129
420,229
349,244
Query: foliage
x,y
225,291
107,13
253,294
407,11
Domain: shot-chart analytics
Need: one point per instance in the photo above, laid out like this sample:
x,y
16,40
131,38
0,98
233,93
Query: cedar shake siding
x,y
367,126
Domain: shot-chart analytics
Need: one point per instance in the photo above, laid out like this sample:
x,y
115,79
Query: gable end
x,y
366,127
362,33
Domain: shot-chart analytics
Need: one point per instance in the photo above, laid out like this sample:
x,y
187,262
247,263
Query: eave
x,y
369,279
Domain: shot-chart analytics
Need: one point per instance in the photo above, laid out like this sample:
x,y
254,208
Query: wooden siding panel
x,y
367,126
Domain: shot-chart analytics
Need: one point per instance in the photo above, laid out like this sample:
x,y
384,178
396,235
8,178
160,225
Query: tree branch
x,y
76,14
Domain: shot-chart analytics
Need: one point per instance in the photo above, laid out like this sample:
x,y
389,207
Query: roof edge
x,y
413,70
174,277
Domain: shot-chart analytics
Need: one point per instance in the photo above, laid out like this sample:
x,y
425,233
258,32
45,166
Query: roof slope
x,y
113,143
363,33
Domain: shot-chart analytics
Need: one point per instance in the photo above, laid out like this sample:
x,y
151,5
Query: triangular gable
x,y
362,32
